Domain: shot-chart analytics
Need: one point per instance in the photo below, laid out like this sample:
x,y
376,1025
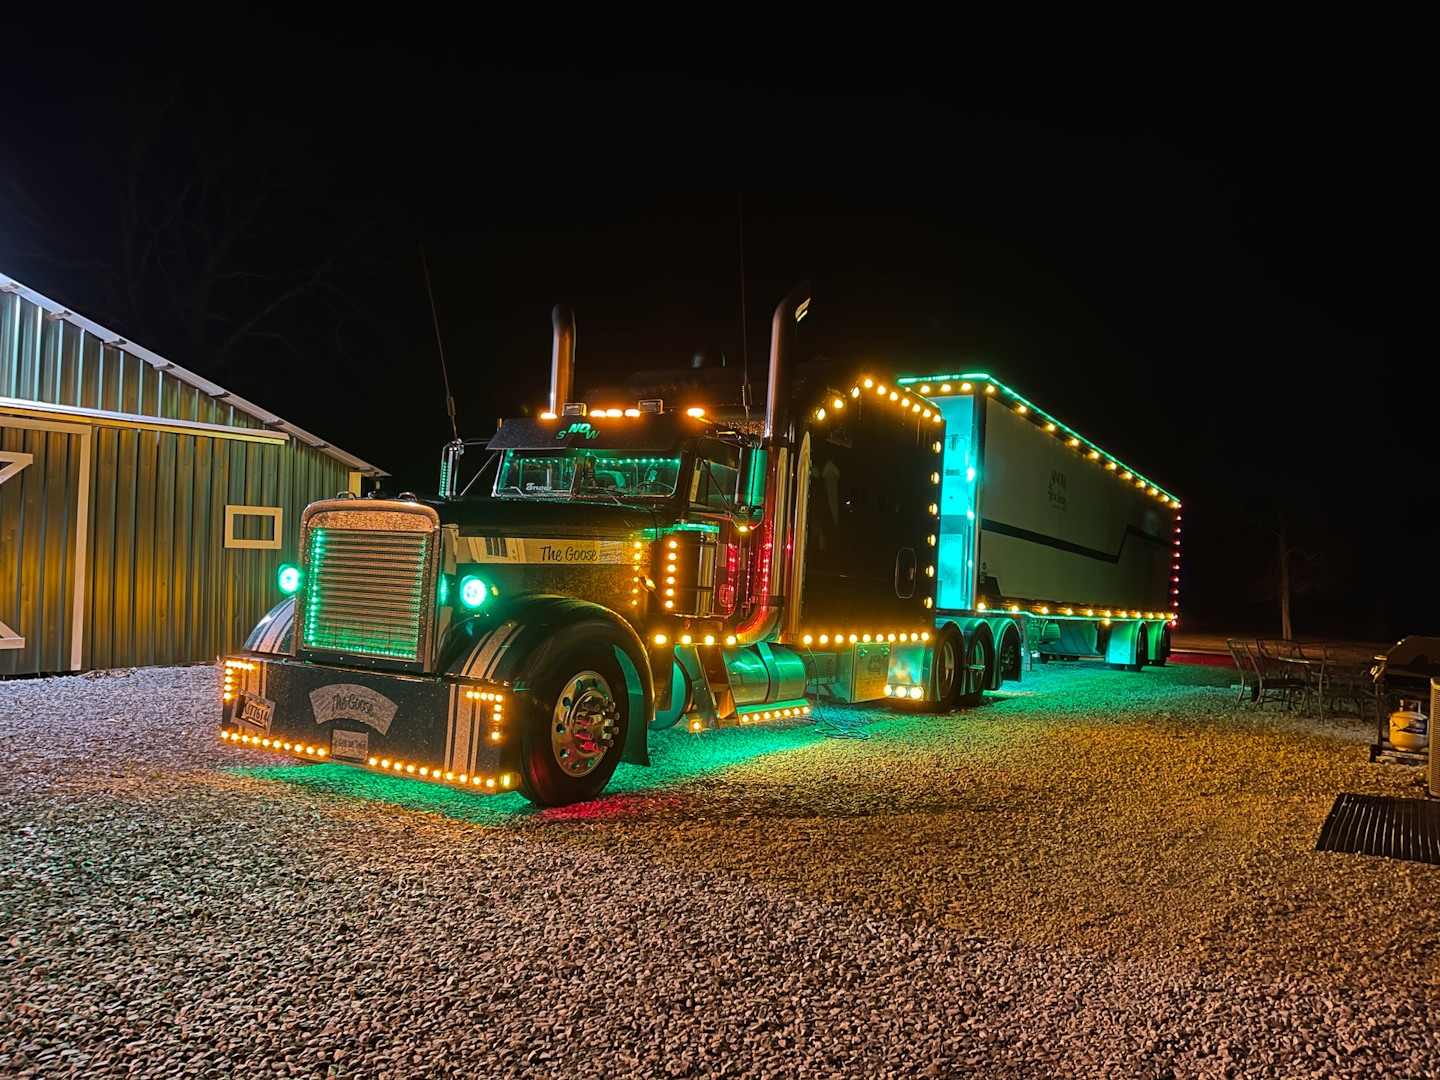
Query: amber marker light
x,y
695,411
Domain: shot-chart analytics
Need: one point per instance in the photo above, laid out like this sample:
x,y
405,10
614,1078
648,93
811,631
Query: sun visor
x,y
667,431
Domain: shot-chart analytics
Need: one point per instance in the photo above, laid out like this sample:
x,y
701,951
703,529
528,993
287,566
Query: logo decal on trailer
x,y
346,701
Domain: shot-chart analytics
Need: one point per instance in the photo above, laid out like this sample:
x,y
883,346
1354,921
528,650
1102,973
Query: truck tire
x,y
679,701
575,726
947,672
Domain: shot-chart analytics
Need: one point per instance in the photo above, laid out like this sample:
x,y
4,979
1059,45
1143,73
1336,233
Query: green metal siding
x,y
160,586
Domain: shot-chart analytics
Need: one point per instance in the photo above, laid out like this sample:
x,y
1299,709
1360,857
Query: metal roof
x,y
269,421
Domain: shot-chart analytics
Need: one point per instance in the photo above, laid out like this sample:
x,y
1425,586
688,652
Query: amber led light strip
x,y
266,743
753,714
404,768
232,666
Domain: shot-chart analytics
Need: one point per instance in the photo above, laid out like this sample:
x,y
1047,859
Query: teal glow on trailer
x,y
932,382
1036,520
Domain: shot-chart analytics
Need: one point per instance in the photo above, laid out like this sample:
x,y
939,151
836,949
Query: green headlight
x,y
473,591
289,579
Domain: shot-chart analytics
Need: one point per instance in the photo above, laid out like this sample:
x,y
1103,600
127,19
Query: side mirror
x,y
750,477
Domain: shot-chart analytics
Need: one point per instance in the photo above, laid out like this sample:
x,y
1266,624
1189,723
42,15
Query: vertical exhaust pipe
x,y
782,362
775,564
562,358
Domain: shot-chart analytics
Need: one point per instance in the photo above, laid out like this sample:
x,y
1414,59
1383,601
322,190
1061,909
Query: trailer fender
x,y
274,634
1159,640
512,643
1009,653
1121,648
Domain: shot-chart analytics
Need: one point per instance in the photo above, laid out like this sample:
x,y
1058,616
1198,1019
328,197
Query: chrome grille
x,y
365,592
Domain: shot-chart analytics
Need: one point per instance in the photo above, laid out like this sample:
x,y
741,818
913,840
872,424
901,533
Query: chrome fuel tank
x,y
764,673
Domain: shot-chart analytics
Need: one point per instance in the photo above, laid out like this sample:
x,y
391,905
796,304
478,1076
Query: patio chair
x,y
1282,671
1348,678
1310,672
1249,670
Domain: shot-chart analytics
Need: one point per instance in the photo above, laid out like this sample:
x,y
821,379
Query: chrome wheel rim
x,y
584,723
945,669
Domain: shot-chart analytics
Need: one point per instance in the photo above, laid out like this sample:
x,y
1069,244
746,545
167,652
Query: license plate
x,y
350,745
255,712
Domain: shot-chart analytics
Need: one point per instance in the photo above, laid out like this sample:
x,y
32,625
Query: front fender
x,y
512,643
275,633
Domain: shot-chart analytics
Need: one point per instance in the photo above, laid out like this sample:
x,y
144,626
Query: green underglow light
x,y
289,579
473,591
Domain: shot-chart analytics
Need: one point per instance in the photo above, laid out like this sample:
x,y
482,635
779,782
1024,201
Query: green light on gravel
x,y
289,579
473,591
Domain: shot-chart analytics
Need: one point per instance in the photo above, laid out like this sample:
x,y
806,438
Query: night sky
x,y
1213,265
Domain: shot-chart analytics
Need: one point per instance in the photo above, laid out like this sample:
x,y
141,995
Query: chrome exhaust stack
x,y
562,358
776,564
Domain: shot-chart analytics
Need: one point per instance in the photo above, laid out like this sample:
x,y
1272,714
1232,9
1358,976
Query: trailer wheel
x,y
679,701
575,727
979,662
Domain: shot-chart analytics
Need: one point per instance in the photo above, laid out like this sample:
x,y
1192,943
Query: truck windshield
x,y
565,474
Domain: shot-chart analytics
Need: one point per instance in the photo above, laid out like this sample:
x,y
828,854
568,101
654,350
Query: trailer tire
x,y
580,694
979,665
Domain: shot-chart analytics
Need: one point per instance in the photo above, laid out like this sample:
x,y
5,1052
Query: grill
x,y
365,592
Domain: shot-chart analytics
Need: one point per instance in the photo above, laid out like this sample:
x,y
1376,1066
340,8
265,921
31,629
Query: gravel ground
x,y
1096,874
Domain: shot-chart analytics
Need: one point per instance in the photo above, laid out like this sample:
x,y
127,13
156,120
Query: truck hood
x,y
516,517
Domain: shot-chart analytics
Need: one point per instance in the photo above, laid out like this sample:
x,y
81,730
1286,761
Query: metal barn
x,y
144,510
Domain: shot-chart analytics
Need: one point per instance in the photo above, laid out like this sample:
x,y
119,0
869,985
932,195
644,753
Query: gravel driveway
x,y
1096,874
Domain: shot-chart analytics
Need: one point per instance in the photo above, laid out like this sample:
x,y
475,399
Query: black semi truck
x,y
666,552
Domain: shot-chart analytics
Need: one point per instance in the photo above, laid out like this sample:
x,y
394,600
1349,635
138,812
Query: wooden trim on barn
x,y
20,407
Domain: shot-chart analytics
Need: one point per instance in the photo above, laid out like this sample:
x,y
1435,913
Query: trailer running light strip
x,y
408,769
965,383
1068,611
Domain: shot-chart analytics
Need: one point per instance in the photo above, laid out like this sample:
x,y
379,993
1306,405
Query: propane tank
x,y
1408,727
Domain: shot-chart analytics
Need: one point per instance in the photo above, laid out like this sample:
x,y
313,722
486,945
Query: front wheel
x,y
575,727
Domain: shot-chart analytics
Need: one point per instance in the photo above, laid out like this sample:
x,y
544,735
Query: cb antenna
x,y
449,401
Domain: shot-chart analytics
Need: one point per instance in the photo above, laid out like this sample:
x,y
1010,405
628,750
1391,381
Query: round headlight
x,y
473,591
288,579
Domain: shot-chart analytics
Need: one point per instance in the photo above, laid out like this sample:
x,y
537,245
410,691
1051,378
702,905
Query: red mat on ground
x,y
1204,659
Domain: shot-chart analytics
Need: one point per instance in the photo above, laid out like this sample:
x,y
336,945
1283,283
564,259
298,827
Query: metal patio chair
x,y
1248,668
1348,677
1282,675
